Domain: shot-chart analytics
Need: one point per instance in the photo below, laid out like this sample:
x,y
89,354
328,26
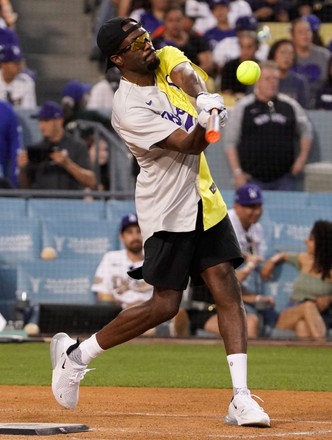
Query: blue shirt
x,y
10,142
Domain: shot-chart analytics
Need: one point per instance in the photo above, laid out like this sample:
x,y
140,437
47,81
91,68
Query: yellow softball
x,y
248,72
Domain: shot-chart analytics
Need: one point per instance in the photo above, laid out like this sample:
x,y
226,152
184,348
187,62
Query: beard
x,y
153,64
135,247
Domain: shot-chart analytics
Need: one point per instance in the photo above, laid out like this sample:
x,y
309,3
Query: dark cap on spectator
x,y
49,110
111,35
249,194
246,23
128,220
76,90
214,3
10,53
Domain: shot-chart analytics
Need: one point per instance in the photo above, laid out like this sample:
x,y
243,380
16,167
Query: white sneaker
x,y
67,374
244,410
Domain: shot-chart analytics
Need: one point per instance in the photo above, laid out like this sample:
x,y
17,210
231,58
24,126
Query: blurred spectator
x,y
237,9
193,11
263,133
220,9
152,17
192,45
99,156
229,48
311,60
312,288
7,15
75,97
291,83
10,143
324,95
112,282
270,10
230,85
102,93
16,87
315,23
59,161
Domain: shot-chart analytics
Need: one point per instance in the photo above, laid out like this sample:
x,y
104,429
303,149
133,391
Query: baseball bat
x,y
212,134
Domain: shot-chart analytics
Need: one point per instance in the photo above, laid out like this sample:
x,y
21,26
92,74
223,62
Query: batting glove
x,y
207,101
204,116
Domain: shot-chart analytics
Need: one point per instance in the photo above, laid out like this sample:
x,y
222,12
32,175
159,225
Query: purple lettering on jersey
x,y
181,118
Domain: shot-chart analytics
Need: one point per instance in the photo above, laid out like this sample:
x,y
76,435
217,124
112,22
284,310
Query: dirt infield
x,y
164,414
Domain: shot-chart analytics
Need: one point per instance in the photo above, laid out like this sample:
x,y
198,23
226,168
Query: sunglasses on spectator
x,y
138,44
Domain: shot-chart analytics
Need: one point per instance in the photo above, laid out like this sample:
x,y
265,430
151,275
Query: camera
x,y
41,153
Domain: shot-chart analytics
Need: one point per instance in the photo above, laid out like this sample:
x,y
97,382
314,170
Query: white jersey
x,y
166,189
21,90
101,96
111,277
229,48
253,237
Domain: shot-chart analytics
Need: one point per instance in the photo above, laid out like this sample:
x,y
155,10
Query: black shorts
x,y
170,258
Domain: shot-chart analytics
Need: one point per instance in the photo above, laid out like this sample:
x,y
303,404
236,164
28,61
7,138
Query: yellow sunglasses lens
x,y
140,42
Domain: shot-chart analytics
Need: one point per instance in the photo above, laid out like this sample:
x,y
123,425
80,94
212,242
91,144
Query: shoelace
x,y
78,375
248,394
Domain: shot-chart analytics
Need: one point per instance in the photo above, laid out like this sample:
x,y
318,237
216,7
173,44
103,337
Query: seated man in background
x,y
59,161
112,282
248,208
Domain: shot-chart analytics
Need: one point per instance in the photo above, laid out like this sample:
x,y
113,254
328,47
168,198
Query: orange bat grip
x,y
212,133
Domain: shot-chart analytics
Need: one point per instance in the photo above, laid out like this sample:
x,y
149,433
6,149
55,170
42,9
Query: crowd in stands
x,y
217,35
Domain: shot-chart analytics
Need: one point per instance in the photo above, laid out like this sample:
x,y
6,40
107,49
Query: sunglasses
x,y
138,44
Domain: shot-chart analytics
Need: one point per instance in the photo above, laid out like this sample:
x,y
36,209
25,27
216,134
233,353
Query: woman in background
x,y
312,289
293,84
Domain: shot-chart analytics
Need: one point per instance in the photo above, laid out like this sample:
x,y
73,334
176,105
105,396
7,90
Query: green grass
x,y
187,366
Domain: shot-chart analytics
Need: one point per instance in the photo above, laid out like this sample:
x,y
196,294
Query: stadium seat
x,y
19,239
66,209
77,238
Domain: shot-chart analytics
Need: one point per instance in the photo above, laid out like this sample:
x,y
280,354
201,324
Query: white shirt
x,y
255,233
166,189
101,96
22,91
229,48
111,277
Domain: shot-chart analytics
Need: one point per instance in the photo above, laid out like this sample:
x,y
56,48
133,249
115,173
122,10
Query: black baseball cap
x,y
111,35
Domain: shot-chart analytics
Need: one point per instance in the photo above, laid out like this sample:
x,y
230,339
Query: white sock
x,y
237,364
90,349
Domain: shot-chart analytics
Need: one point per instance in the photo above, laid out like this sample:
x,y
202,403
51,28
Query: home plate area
x,y
41,428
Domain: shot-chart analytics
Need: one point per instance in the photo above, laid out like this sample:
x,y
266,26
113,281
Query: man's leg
x,y
225,288
70,359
